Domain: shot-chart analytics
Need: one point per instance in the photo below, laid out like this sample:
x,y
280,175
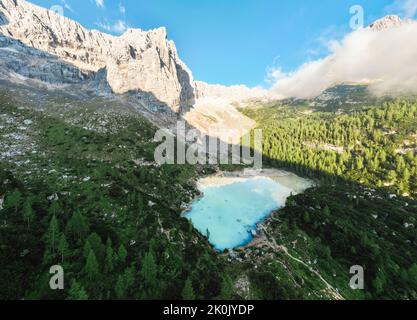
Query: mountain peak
x,y
143,61
388,22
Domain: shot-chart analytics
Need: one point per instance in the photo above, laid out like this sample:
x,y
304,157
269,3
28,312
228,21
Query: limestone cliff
x,y
41,47
136,61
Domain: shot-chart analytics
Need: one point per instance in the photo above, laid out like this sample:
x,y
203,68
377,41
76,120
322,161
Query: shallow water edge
x,y
232,205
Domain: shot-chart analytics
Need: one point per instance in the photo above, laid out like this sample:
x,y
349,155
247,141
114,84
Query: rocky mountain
x,y
136,61
38,46
215,109
388,22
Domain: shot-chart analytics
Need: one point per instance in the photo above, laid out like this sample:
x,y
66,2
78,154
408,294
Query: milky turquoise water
x,y
231,211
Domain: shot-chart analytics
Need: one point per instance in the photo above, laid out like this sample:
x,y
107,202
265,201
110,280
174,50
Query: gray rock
x,y
136,61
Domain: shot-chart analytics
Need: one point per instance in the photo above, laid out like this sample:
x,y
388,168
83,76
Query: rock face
x,y
18,61
215,111
42,48
138,60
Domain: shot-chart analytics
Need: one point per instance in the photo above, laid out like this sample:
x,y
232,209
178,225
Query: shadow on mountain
x,y
187,97
24,66
349,224
26,62
3,19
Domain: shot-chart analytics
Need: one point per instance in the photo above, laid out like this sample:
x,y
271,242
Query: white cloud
x,y
122,8
118,27
67,6
407,8
386,60
100,3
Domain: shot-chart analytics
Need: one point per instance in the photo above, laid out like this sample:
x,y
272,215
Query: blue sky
x,y
235,41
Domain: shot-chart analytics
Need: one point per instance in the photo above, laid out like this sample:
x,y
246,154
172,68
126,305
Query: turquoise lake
x,y
231,208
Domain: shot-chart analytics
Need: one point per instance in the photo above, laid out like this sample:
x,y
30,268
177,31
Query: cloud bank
x,y
384,58
119,27
100,3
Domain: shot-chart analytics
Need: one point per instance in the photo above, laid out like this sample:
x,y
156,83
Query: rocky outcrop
x,y
215,110
388,22
138,60
18,61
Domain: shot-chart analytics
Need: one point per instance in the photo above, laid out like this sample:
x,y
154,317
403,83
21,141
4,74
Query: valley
x,y
80,185
118,218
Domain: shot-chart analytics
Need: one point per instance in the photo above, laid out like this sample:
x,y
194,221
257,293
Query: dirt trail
x,y
274,245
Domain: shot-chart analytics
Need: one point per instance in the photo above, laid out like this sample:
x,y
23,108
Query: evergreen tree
x,y
96,244
306,217
412,276
63,248
149,274
125,281
77,226
77,292
226,292
110,256
86,249
51,239
122,254
91,266
14,200
326,211
55,208
188,291
28,214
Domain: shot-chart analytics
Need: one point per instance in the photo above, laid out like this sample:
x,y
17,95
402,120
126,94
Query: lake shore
x,y
223,178
281,185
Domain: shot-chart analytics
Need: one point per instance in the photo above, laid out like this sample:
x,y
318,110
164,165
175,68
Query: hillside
x,y
363,211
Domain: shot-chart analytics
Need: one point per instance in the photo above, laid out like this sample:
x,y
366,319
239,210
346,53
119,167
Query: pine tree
x,y
391,176
379,282
28,214
96,244
188,291
86,249
14,200
52,235
91,266
125,281
306,217
55,208
122,254
77,292
77,226
109,256
63,248
149,274
51,239
327,211
226,292
412,275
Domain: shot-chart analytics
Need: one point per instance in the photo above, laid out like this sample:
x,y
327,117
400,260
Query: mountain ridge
x,y
137,60
39,44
